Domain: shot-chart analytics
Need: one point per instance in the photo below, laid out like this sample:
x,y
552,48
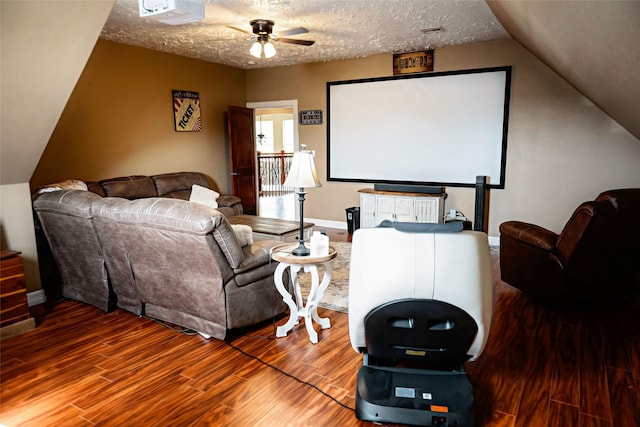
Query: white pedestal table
x,y
298,309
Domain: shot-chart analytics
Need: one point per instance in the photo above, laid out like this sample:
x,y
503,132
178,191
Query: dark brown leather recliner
x,y
595,255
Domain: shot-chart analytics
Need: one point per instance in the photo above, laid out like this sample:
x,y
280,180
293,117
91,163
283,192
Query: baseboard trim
x,y
36,297
17,328
327,223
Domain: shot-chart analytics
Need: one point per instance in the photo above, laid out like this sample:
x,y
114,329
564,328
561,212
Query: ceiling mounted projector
x,y
172,12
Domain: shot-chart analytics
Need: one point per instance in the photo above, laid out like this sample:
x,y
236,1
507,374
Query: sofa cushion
x,y
96,188
129,187
69,184
75,203
169,214
185,217
178,184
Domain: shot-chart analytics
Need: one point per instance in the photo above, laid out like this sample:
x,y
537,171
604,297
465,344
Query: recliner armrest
x,y
256,255
531,234
257,264
232,202
228,201
529,260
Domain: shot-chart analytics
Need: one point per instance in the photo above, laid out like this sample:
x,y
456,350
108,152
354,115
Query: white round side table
x,y
298,309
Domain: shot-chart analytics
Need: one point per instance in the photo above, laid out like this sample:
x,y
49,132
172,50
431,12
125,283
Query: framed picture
x,y
311,117
414,62
186,111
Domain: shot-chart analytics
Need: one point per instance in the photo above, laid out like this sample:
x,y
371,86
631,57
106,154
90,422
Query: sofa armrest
x,y
256,254
257,263
529,260
232,202
529,234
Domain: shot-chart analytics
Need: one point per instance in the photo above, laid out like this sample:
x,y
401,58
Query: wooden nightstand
x,y
14,309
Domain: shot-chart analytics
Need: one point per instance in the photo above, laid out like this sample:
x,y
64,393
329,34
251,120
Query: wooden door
x,y
242,156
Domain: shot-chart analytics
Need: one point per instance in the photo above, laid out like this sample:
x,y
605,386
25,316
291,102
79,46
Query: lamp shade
x,y
303,171
269,50
256,49
263,47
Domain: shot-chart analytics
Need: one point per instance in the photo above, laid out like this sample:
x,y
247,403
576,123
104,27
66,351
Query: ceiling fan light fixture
x,y
269,50
263,48
256,49
263,30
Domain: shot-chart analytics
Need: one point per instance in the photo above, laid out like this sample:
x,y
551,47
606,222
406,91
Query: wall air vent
x,y
431,30
172,12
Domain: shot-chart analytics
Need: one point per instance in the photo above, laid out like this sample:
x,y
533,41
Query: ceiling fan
x,y
263,29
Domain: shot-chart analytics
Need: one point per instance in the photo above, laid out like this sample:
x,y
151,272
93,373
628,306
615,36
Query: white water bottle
x,y
319,244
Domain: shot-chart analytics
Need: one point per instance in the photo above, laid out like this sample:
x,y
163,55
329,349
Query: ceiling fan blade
x,y
295,41
238,29
293,31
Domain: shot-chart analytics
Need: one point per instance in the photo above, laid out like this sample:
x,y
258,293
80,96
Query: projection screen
x,y
442,128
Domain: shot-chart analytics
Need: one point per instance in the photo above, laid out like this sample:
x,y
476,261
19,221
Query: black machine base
x,y
414,396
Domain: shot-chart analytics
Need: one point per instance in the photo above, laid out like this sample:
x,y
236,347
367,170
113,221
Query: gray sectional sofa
x,y
138,243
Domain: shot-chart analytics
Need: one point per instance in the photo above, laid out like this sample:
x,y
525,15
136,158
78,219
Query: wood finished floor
x,y
83,367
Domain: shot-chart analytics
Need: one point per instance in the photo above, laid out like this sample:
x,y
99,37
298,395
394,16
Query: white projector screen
x,y
425,129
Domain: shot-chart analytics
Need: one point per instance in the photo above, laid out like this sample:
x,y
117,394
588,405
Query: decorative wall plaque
x,y
186,110
414,62
311,117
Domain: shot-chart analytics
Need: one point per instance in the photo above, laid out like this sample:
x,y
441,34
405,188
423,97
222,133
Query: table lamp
x,y
302,173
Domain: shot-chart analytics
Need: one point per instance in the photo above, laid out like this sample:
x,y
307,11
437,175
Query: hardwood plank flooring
x,y
84,367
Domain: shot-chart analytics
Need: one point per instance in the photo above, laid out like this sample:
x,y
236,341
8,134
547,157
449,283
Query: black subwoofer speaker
x,y
481,214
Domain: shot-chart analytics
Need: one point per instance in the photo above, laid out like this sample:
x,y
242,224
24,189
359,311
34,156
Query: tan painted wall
x,y
16,229
44,47
119,119
562,149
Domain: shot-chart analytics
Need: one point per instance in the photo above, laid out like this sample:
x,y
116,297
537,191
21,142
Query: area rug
x,y
336,296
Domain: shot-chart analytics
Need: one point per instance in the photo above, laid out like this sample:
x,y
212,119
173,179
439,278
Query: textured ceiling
x,y
342,29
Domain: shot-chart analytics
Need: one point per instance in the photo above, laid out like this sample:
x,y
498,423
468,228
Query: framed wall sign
x,y
414,62
186,110
311,117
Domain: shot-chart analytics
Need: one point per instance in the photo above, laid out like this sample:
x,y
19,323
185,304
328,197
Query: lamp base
x,y
301,250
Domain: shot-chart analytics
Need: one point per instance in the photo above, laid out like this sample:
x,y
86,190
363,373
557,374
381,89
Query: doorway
x,y
276,140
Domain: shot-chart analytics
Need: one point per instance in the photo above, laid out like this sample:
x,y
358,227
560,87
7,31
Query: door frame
x,y
285,103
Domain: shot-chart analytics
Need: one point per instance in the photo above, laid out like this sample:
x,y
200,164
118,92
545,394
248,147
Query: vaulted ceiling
x,y
593,45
